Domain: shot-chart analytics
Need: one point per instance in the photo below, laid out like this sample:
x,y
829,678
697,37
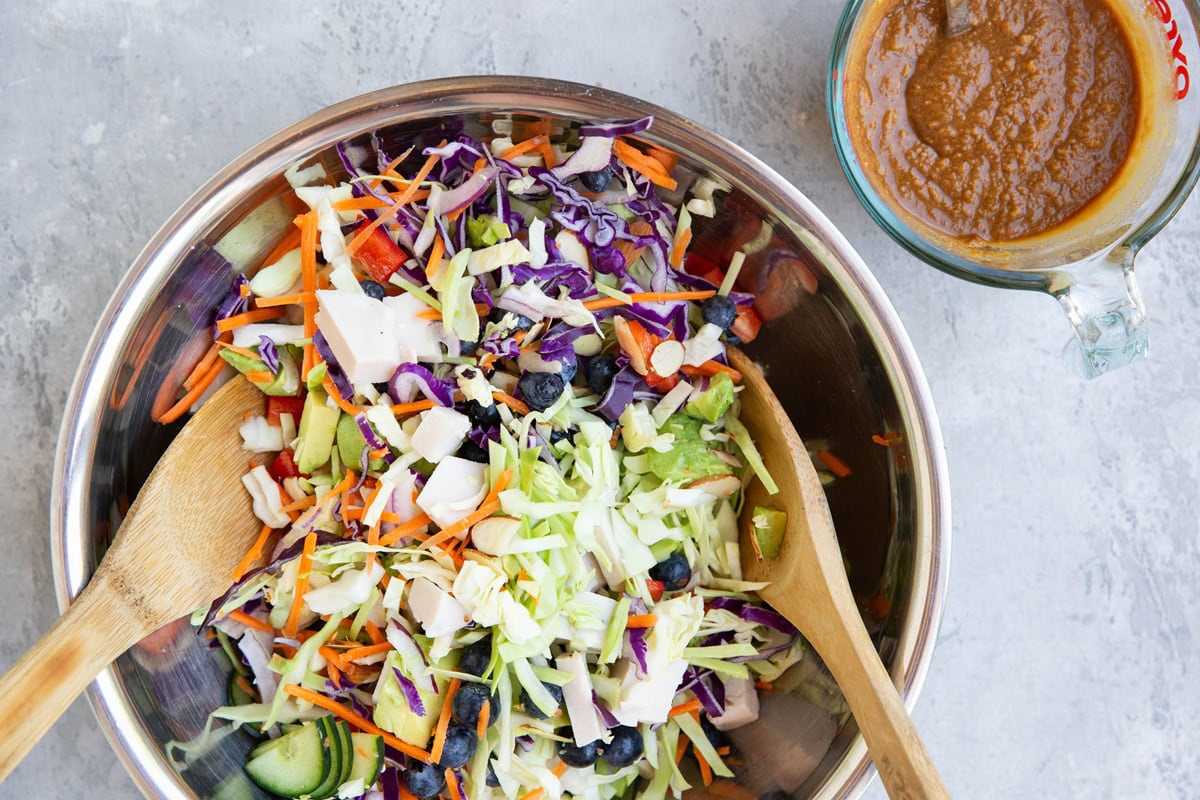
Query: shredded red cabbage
x,y
235,302
409,690
333,368
620,127
268,353
409,379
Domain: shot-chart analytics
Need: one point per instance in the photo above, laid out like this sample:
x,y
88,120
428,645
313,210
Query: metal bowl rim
x,y
74,454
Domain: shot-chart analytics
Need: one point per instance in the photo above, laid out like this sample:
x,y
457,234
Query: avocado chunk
x,y
287,378
689,458
486,230
351,443
318,426
769,524
713,402
393,712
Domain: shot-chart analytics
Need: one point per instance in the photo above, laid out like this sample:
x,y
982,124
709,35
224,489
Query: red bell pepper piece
x,y
378,254
656,589
702,267
284,405
747,324
284,466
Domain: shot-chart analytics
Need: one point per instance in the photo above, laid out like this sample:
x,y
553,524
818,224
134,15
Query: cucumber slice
x,y
269,744
294,765
346,741
368,758
231,653
331,740
238,696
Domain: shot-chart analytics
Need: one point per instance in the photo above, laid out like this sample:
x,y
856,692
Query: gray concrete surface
x,y
1068,660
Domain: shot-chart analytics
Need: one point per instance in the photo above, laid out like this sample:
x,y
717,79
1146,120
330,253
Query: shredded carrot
x,y
250,622
360,203
648,166
334,674
285,300
366,650
405,197
259,376
246,317
184,403
681,246
835,464
286,245
435,257
203,365
404,409
756,546
428,313
547,155
510,401
710,368
490,505
331,656
686,707
241,351
302,503
641,621
764,686
373,631
293,619
648,297
333,392
559,770
485,716
443,723
452,790
681,748
888,439
357,721
705,770
410,528
308,271
723,751
532,143
253,554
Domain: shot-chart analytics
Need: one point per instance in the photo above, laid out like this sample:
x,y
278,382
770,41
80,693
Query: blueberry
x,y
625,747
491,779
567,370
467,348
459,746
424,780
600,372
557,436
575,756
532,710
540,389
472,452
475,657
673,571
720,311
373,289
484,416
733,340
468,704
597,181
497,315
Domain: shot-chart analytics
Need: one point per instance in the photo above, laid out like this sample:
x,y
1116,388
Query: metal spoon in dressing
x,y
188,528
808,585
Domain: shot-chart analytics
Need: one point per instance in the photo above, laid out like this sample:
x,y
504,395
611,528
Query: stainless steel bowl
x,y
832,345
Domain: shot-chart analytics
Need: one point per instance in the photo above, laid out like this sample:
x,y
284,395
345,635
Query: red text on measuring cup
x,y
1175,39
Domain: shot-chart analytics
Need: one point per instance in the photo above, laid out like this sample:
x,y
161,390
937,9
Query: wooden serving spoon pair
x,y
191,524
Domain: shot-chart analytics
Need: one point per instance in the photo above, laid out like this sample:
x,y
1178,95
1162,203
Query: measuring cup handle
x,y
1105,308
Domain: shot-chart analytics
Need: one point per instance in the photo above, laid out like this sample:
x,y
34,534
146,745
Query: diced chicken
x,y
647,699
577,694
440,433
493,535
417,338
435,609
741,705
455,489
359,331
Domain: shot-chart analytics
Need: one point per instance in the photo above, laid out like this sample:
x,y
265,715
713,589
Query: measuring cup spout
x,y
1105,308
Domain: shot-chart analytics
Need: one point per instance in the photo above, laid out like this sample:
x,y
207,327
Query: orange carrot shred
x,y
764,686
259,376
286,245
405,197
648,297
835,464
451,784
443,723
246,317
532,143
411,408
410,528
648,166
184,403
242,351
253,554
373,631
285,300
510,401
686,707
710,368
435,257
333,392
366,650
481,724
308,271
641,620
357,721
293,619
681,246
250,622
705,770
490,505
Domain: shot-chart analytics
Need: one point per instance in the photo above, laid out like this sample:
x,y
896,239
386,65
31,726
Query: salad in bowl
x,y
499,476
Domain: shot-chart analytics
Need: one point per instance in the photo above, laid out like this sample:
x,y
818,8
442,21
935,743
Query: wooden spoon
x,y
187,530
808,586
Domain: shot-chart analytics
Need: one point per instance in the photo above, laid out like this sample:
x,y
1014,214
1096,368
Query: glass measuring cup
x,y
1086,263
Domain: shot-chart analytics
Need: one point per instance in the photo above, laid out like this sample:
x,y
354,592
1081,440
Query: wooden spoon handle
x,y
904,765
39,687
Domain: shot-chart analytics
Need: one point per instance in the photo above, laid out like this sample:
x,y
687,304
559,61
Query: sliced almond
x,y
494,534
629,250
728,458
629,344
667,358
717,485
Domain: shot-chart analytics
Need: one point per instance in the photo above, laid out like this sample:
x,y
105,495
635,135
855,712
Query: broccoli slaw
x,y
499,478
